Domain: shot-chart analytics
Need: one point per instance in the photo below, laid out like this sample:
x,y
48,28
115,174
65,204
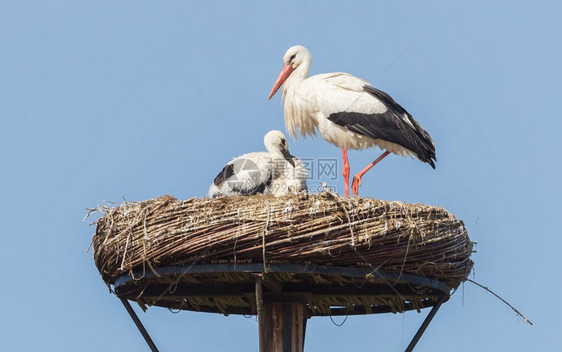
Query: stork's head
x,y
276,143
297,56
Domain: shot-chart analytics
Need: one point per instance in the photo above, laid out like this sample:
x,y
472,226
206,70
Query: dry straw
x,y
323,229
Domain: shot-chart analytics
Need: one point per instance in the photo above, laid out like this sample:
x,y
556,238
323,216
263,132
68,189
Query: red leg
x,y
357,178
345,172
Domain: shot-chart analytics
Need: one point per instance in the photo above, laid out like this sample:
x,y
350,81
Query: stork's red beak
x,y
285,72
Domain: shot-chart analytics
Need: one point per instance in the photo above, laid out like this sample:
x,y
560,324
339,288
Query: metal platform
x,y
321,290
326,290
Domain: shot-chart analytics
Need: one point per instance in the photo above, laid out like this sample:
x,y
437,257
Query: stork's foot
x,y
355,185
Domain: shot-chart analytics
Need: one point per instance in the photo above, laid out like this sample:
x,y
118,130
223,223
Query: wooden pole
x,y
261,316
281,325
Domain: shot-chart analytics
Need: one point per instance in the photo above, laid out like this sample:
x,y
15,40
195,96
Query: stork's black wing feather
x,y
224,175
239,186
395,125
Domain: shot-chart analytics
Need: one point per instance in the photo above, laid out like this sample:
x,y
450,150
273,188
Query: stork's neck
x,y
296,77
272,150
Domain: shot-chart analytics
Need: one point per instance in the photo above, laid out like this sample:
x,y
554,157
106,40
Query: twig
x,y
263,238
404,261
501,299
343,207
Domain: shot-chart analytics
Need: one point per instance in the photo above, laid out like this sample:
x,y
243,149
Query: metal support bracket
x,y
139,325
425,323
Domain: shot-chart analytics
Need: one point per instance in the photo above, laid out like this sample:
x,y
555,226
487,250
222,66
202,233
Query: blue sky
x,y
90,113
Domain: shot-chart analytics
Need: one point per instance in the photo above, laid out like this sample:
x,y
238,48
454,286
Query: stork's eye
x,y
292,57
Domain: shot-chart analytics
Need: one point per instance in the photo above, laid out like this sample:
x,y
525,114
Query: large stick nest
x,y
322,229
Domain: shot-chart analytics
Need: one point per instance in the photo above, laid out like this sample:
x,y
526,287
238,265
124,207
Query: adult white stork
x,y
348,112
274,172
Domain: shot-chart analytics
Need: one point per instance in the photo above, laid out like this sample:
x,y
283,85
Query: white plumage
x,y
347,112
274,172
